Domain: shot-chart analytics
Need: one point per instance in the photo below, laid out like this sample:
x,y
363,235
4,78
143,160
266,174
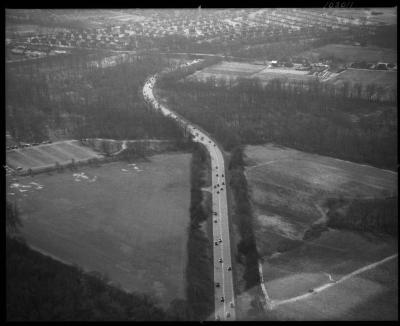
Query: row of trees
x,y
199,270
247,253
306,118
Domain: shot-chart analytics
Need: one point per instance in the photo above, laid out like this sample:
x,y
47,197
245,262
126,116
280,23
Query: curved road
x,y
223,293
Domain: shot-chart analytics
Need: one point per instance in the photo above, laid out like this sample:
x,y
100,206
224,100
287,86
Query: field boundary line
x,y
275,303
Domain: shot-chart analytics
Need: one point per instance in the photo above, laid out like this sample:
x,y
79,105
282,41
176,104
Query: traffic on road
x,y
224,294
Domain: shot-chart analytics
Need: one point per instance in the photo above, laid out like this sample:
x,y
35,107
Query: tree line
x,y
199,269
243,218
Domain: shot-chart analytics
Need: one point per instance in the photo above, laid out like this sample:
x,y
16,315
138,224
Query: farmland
x,y
289,190
42,156
351,53
128,221
233,70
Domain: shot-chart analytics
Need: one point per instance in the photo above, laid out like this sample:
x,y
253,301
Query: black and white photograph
x,y
201,164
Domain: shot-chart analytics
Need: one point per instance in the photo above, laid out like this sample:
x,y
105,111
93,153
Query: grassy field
x,y
372,295
351,53
282,73
233,70
288,190
128,221
41,156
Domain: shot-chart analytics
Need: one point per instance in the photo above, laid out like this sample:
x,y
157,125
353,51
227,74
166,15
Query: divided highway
x,y
223,282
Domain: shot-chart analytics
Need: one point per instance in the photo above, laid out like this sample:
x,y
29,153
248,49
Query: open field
x,y
371,295
128,221
284,74
42,156
233,70
288,190
351,53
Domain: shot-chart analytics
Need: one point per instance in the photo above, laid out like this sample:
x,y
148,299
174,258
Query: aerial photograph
x,y
201,164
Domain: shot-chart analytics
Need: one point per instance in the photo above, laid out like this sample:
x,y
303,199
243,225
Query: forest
x,y
379,216
73,98
313,117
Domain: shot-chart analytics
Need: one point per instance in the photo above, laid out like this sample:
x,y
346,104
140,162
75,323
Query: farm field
x,y
268,74
233,70
128,221
41,156
351,53
288,191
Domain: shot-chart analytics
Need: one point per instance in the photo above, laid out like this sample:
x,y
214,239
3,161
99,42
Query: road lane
x,y
223,310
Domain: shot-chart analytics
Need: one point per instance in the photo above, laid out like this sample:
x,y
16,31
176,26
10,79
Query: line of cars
x,y
199,136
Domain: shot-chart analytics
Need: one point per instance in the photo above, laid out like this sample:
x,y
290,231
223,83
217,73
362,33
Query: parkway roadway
x,y
224,299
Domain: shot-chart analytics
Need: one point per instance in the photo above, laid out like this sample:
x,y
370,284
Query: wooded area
x,y
368,215
309,118
81,100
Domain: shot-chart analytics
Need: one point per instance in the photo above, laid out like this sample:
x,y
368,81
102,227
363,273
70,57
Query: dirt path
x,y
270,304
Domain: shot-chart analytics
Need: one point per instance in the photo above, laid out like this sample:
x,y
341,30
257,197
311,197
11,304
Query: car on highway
x,y
232,305
222,299
220,240
220,260
218,318
217,174
228,314
222,189
217,285
215,213
216,243
215,221
229,268
222,175
217,192
223,183
311,290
